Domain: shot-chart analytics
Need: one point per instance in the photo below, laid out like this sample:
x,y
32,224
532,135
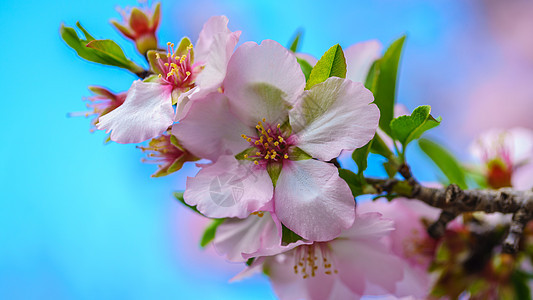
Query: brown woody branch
x,y
454,201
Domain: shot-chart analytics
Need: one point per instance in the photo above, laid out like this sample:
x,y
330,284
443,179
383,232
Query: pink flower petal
x,y
262,81
229,188
359,59
369,226
333,116
146,113
313,201
213,49
210,129
236,237
362,260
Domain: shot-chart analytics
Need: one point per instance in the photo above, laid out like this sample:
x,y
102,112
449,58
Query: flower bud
x,y
140,25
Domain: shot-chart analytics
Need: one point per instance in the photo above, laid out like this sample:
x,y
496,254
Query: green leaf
x,y
360,156
353,181
305,66
332,63
379,147
295,44
445,161
105,52
382,81
391,167
408,128
179,197
210,231
288,236
372,76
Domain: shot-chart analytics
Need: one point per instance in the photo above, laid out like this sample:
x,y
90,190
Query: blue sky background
x,y
83,220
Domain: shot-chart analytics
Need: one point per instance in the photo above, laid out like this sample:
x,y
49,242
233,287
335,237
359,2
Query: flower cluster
x,y
271,125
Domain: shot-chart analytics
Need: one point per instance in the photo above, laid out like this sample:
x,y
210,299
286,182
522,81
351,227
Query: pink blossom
x,y
354,264
103,102
409,241
265,116
166,151
505,153
148,109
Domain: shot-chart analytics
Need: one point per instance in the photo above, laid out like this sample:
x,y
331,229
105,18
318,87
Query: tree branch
x,y
454,201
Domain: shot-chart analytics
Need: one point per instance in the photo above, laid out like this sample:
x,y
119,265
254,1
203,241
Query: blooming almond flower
x,y
103,102
148,109
140,25
354,264
503,152
409,241
166,151
262,132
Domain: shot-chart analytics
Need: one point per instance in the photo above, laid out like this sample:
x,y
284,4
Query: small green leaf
x,y
305,66
372,76
382,81
105,52
88,36
391,167
379,147
408,128
288,236
332,63
179,197
353,181
360,156
210,231
445,161
298,154
295,44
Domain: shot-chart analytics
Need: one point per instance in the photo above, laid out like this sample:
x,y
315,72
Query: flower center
x,y
309,258
178,71
271,144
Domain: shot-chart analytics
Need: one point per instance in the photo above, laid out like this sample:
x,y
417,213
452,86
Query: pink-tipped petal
x,y
229,189
313,201
262,81
146,113
332,116
359,59
210,129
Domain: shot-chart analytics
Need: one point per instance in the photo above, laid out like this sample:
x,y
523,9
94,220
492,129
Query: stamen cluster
x,y
308,258
270,144
178,71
